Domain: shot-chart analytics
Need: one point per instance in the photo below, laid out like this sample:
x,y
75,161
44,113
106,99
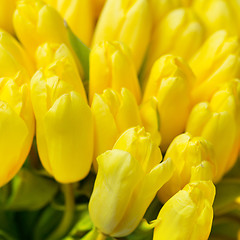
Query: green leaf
x,y
82,52
29,191
226,193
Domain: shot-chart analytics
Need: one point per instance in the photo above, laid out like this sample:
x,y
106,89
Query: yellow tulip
x,y
177,31
186,152
58,60
216,62
170,82
16,126
111,66
219,14
128,21
79,16
128,178
113,114
7,8
14,61
64,124
215,122
227,98
36,23
188,214
151,119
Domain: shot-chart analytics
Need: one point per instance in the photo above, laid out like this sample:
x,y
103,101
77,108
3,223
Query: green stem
x,y
68,216
101,236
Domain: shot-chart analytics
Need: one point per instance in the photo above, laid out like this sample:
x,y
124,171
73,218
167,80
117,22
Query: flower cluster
x,y
119,119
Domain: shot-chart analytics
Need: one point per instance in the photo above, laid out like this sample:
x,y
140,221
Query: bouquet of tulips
x,y
119,119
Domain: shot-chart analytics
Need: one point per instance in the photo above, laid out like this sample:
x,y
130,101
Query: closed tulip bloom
x,y
219,14
13,56
16,126
57,59
111,66
128,21
186,152
227,98
64,125
113,114
216,62
173,35
6,12
151,119
79,16
188,214
133,174
219,127
170,82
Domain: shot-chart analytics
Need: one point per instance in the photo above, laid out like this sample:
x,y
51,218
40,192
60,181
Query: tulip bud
x,y
151,119
113,114
186,152
7,8
58,60
64,125
188,214
36,23
218,15
13,58
173,35
219,128
133,175
216,62
17,127
126,21
111,66
79,16
170,82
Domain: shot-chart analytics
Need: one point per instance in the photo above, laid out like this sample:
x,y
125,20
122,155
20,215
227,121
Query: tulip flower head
x,y
186,152
111,66
128,21
16,126
64,123
216,62
188,214
113,114
128,178
170,82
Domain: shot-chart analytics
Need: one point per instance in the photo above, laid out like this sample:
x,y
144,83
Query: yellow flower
x,y
128,178
111,66
79,16
36,23
216,122
128,21
216,62
177,31
13,58
170,82
58,60
113,114
219,14
16,126
7,8
64,123
186,152
188,214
